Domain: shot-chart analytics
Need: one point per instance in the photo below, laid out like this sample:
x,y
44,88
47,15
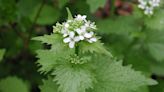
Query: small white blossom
x,y
91,40
148,11
148,6
72,39
154,3
142,4
80,18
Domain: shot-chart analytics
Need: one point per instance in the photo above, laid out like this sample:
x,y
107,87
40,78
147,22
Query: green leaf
x,y
156,22
139,60
48,15
96,47
2,52
113,77
48,86
73,78
154,43
119,25
95,4
47,60
142,89
49,39
13,84
69,14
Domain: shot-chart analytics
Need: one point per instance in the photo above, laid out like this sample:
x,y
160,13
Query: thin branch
x,y
34,22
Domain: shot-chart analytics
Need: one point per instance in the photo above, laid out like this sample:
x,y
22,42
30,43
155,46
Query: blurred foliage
x,y
127,33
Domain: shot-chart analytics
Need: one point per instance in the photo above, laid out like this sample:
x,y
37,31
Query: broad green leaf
x,y
154,43
48,86
48,15
112,76
72,78
13,84
156,22
2,52
95,4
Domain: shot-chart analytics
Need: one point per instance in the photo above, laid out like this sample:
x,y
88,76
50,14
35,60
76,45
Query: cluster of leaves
x,y
136,39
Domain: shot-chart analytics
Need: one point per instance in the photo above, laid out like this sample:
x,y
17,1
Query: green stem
x,y
77,50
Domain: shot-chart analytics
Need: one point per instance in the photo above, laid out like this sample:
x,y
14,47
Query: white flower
x,y
90,25
66,25
142,4
81,33
80,17
88,34
154,3
72,39
148,11
148,6
65,32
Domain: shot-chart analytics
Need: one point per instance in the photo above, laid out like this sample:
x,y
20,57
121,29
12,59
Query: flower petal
x,y
88,35
71,34
72,44
66,40
77,38
81,37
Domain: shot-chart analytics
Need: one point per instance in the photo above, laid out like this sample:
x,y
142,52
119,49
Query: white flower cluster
x,y
77,30
148,6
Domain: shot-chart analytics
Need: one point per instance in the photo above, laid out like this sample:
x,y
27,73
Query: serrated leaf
x,y
156,22
48,86
47,61
2,52
113,77
13,84
49,39
48,58
96,47
95,4
154,42
48,15
73,78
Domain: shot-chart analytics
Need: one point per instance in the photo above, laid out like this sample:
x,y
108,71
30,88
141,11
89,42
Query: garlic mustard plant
x,y
78,62
148,6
